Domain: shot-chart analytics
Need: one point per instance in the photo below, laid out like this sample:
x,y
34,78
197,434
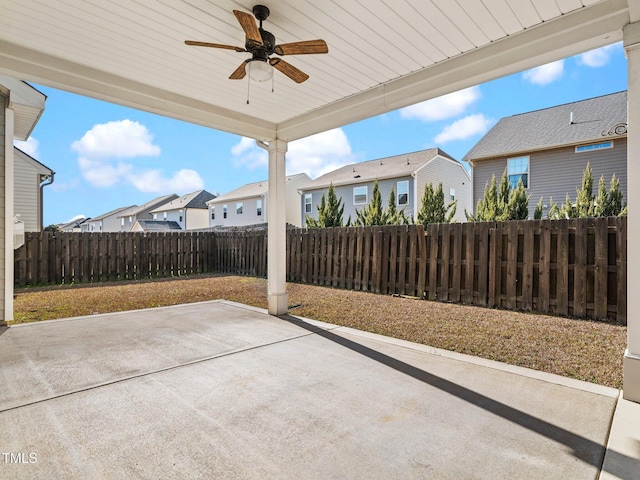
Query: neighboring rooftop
x,y
112,213
389,167
578,122
155,203
250,190
158,225
196,199
73,224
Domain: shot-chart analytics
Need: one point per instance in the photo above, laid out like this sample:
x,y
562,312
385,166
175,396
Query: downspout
x,y
47,182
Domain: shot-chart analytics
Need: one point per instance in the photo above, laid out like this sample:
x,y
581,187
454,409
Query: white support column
x,y
631,381
277,225
7,201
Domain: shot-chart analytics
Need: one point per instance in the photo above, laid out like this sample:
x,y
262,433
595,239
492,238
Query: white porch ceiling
x,y
383,54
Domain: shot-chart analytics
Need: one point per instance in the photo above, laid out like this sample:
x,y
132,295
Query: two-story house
x,y
107,222
549,149
189,211
30,178
129,216
247,205
407,174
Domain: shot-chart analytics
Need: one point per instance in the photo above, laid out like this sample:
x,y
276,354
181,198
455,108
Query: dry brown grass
x,y
581,349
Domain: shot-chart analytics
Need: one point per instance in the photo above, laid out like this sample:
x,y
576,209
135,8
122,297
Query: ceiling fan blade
x,y
289,70
240,72
214,45
302,48
249,26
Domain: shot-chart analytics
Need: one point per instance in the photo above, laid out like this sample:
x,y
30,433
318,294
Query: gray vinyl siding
x,y
554,173
452,175
345,192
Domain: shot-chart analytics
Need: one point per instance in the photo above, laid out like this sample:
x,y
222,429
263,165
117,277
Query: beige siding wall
x,y
452,176
26,193
554,173
197,218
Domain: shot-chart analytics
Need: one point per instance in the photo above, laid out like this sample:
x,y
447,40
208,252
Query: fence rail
x,y
569,267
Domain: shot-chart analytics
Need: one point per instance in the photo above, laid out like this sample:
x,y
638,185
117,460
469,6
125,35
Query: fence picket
x,y
509,264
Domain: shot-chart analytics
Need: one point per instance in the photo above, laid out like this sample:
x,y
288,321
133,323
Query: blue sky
x,y
106,156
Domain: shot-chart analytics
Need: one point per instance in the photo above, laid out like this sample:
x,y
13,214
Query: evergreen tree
x,y
373,213
605,204
537,215
584,197
395,216
432,208
330,211
503,203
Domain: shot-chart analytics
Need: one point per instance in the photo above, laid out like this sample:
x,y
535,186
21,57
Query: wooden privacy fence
x,y
568,267
49,258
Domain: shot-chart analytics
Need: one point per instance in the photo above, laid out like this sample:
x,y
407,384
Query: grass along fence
x,y
568,267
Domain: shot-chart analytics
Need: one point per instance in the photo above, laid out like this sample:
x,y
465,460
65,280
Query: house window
x,y
213,213
307,202
360,195
130,220
403,192
122,221
259,207
239,208
452,194
518,169
224,211
164,215
594,146
180,216
155,216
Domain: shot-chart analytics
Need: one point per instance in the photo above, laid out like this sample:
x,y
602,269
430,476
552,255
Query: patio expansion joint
x,y
161,370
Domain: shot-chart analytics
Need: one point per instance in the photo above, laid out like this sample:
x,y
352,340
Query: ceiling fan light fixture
x,y
260,70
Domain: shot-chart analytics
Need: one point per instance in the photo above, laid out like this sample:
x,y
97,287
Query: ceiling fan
x,y
261,44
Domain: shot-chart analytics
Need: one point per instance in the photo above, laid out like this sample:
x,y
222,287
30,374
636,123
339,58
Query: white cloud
x,y
320,153
118,139
314,155
545,74
185,180
599,57
102,150
446,106
464,128
103,174
30,147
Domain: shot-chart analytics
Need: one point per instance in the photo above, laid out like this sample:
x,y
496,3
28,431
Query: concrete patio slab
x,y
219,390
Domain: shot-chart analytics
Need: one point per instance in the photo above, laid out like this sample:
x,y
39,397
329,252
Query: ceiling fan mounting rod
x,y
261,13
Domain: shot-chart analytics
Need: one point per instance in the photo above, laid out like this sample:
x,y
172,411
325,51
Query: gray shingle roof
x,y
158,225
255,189
389,167
112,212
156,202
551,127
197,199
